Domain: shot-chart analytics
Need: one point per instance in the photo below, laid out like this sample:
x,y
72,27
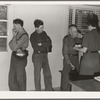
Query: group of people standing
x,y
42,44
88,67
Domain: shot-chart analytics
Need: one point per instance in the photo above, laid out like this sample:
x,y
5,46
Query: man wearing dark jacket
x,y
71,57
41,44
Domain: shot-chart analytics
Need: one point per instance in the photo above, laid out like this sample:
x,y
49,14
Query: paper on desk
x,y
97,78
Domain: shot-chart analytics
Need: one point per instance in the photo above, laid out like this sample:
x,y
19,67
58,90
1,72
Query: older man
x,y
71,58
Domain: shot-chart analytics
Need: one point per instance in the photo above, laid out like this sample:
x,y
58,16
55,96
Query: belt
x,y
92,52
38,52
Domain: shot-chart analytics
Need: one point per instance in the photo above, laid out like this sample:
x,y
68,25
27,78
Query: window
x,y
3,28
70,16
81,19
78,16
98,13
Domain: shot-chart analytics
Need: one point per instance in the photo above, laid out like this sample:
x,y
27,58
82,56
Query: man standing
x,y
71,58
18,45
41,43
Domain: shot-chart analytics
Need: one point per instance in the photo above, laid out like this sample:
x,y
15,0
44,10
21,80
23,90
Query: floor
x,y
55,89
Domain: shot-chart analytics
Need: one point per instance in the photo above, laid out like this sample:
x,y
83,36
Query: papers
x,y
20,54
78,46
97,78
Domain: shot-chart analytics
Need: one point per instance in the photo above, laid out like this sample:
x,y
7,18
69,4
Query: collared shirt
x,y
42,38
19,41
68,44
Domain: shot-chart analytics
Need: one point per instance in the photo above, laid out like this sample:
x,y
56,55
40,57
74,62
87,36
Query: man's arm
x,y
48,42
65,51
11,43
14,45
34,43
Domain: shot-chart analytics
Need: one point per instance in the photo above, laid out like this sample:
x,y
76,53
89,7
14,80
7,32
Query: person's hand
x,y
14,32
73,67
19,51
39,44
79,35
75,48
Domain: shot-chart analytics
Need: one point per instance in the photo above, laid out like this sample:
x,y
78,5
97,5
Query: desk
x,y
85,85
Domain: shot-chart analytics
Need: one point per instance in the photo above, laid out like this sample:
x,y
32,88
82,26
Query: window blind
x,y
70,16
81,18
97,12
78,16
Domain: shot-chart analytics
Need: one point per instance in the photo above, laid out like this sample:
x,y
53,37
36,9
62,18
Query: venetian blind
x,y
70,16
81,19
97,12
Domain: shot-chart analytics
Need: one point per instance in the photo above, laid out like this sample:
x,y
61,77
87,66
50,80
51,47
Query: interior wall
x,y
55,24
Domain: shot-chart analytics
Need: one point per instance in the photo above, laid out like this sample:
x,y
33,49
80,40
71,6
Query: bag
x,y
20,57
74,75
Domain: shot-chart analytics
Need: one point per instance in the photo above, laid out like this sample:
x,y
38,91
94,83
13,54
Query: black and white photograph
x,y
50,46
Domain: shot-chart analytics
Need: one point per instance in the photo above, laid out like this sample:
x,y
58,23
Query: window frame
x,y
5,36
95,10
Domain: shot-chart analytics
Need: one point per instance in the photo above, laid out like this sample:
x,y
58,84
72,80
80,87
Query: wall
x,y
55,22
5,56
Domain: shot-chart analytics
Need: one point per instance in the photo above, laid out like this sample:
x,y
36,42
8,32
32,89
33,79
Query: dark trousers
x,y
65,86
17,74
40,61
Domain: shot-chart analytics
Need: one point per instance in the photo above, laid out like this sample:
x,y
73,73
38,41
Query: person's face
x,y
89,27
73,32
16,27
40,29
